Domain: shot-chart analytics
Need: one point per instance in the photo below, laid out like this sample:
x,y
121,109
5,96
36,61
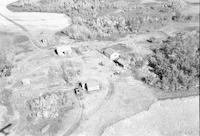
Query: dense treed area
x,y
107,20
175,63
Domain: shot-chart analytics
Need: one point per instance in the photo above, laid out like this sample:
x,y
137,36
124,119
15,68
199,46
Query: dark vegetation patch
x,y
106,20
178,17
49,105
6,56
175,64
48,110
5,66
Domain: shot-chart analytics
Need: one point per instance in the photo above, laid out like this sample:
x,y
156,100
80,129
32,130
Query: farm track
x,y
32,39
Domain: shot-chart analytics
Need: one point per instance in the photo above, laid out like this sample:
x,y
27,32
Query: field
x,y
99,68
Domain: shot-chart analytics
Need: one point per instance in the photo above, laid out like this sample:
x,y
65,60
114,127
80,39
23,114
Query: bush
x,y
78,32
49,105
176,63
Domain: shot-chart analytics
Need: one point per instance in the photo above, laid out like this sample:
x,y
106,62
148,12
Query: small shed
x,y
111,53
63,50
26,81
78,89
92,85
43,42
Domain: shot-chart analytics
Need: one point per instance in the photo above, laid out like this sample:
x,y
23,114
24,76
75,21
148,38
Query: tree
x,y
175,63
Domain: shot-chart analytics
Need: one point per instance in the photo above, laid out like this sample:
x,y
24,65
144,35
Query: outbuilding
x,y
26,81
63,50
92,85
111,53
79,89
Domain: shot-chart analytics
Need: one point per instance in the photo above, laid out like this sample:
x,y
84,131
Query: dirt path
x,y
77,121
79,118
124,103
31,22
31,37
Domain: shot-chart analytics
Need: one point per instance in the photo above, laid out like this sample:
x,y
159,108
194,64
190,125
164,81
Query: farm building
x,y
92,85
111,53
63,50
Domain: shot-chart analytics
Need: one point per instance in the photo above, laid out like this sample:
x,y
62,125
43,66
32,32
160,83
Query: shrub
x,y
49,105
78,32
175,63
